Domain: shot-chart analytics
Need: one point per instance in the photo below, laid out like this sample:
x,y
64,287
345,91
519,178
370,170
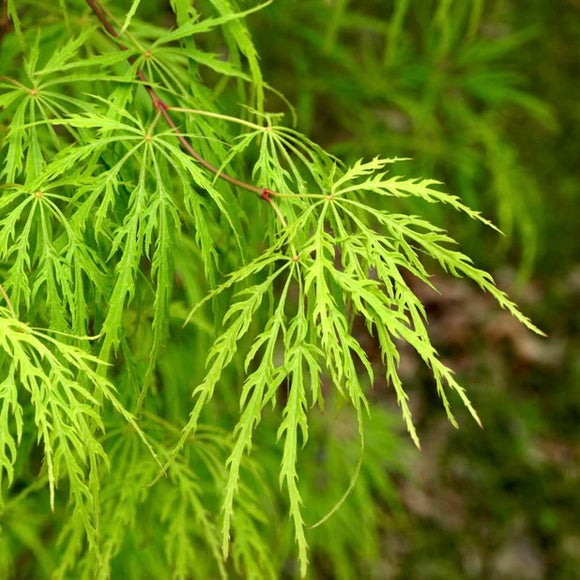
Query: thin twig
x,y
4,21
164,109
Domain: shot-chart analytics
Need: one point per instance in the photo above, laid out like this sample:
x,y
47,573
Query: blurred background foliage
x,y
482,95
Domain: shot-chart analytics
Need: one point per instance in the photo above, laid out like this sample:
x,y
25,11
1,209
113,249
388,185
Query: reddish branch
x,y
4,21
266,194
161,106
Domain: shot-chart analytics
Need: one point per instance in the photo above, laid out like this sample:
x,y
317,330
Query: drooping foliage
x,y
182,271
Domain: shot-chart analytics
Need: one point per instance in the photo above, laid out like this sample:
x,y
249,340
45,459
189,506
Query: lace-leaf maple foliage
x,y
196,266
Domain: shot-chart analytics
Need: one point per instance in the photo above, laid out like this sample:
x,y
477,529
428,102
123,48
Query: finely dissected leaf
x,y
396,186
300,355
237,321
129,17
200,26
131,238
66,393
258,388
185,500
215,63
62,56
10,413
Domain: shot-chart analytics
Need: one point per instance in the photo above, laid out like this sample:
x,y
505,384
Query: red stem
x,y
158,103
4,21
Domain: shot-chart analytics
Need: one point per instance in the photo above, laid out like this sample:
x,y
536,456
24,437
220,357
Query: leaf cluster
x,y
218,260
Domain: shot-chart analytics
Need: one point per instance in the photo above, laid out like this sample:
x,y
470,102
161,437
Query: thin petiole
x,y
299,195
15,83
153,123
219,116
277,211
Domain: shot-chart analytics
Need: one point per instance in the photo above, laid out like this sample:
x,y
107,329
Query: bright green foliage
x,y
190,285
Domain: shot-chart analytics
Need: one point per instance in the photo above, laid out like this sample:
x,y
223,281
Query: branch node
x,y
266,194
159,104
